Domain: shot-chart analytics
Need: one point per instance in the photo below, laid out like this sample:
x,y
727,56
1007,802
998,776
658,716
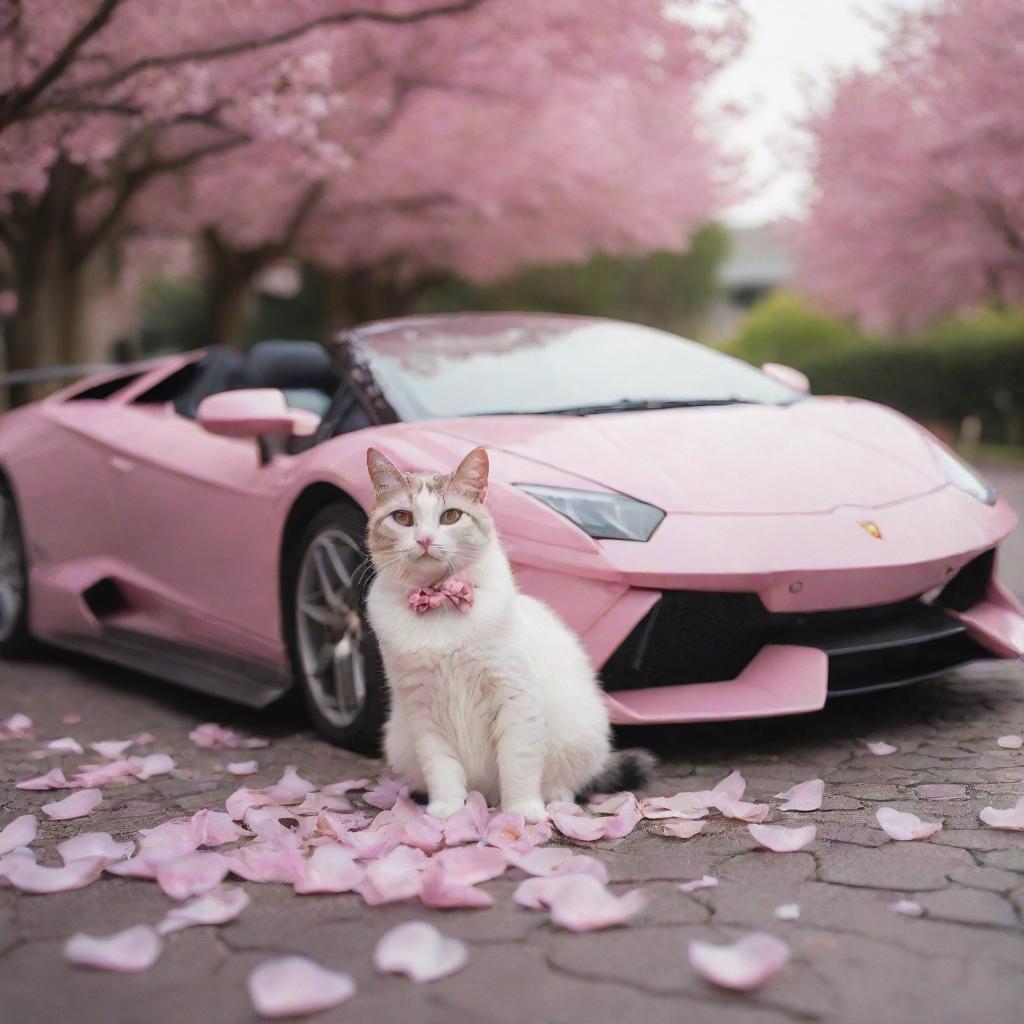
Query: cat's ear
x,y
386,476
471,476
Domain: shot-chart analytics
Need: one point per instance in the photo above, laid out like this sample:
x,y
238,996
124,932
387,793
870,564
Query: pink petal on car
x,y
20,832
243,767
16,727
152,764
191,875
583,904
782,839
111,749
743,965
903,825
1011,818
679,829
805,796
24,874
384,794
65,745
469,824
742,811
440,890
330,869
705,882
134,949
420,951
292,986
470,865
95,844
216,907
79,804
880,747
907,907
1011,742
53,779
290,789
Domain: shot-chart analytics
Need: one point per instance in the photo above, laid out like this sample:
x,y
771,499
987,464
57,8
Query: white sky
x,y
795,45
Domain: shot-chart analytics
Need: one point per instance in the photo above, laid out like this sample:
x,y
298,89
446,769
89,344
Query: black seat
x,y
301,369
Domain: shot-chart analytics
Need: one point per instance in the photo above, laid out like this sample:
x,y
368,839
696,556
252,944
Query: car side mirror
x,y
259,413
787,375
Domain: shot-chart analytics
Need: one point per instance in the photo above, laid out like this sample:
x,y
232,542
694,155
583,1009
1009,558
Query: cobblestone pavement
x,y
854,959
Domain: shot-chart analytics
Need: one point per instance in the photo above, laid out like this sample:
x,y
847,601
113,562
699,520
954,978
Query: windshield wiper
x,y
644,404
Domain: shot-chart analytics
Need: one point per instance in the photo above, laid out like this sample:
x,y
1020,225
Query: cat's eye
x,y
450,515
402,516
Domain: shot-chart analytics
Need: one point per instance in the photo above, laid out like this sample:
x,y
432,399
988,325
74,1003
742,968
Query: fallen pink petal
x,y
151,765
805,796
788,912
292,986
744,965
290,789
471,865
95,844
742,811
194,874
78,805
20,832
111,749
781,839
16,727
469,823
330,869
678,828
908,908
903,825
65,745
733,785
1011,742
681,805
211,735
134,949
24,874
1011,818
705,882
53,779
583,904
880,747
384,793
218,907
243,767
440,890
419,950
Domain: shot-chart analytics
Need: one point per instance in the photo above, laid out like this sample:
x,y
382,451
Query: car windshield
x,y
478,366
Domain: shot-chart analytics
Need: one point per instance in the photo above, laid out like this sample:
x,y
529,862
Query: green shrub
x,y
957,369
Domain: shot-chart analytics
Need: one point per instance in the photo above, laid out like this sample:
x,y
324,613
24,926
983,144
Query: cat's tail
x,y
624,770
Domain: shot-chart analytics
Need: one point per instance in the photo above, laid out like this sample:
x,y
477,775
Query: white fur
x,y
501,699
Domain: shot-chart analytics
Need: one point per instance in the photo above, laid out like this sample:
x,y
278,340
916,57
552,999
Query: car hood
x,y
813,456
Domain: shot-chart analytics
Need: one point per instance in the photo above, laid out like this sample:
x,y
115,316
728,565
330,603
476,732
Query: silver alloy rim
x,y
330,626
12,571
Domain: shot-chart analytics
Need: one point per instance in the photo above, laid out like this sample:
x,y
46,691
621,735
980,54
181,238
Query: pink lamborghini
x,y
725,545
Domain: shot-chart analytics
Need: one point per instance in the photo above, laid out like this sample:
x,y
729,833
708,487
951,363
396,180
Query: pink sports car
x,y
725,545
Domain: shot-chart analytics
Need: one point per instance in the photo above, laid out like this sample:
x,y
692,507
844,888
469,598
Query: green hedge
x,y
958,369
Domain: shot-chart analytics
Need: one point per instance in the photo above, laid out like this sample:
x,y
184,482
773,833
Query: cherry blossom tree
x,y
98,98
919,207
514,134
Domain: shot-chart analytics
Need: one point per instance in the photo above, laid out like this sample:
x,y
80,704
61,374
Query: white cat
x,y
490,690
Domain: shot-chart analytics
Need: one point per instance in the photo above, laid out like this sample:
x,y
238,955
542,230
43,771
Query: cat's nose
x,y
424,542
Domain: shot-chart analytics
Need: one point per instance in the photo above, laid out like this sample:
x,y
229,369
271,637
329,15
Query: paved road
x,y
855,960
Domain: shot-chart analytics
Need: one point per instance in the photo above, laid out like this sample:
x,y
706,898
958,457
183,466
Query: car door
x,y
198,520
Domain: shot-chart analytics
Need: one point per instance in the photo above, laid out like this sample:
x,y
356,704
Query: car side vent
x,y
968,586
103,390
104,598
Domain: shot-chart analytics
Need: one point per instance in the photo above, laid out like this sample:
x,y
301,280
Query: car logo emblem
x,y
870,528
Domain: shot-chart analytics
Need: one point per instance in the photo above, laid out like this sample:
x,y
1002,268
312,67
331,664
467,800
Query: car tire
x,y
335,661
15,638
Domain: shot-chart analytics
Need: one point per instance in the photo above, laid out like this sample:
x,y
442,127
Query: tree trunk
x,y
364,294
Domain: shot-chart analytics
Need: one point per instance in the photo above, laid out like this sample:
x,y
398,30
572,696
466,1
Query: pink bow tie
x,y
460,594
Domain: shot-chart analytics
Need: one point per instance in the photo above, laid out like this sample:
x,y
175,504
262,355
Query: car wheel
x,y
14,635
334,656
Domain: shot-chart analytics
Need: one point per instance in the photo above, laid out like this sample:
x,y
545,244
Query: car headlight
x,y
961,475
602,515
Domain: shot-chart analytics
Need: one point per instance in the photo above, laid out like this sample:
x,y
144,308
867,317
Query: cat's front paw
x,y
531,810
444,809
